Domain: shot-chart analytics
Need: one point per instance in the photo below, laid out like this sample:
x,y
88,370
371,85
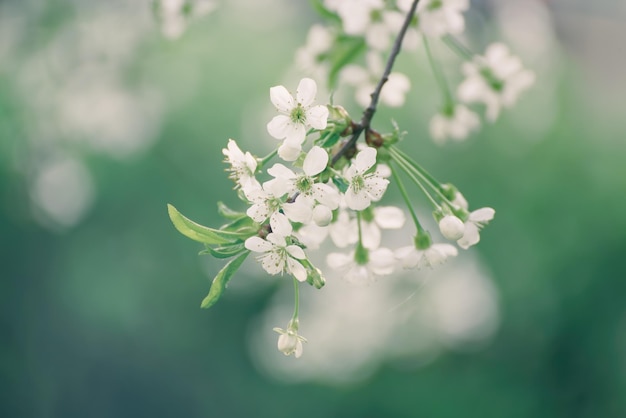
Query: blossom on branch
x,y
364,186
297,116
495,79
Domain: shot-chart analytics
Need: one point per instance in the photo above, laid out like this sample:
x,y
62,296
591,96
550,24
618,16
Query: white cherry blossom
x,y
380,262
278,256
411,257
309,57
289,341
451,227
440,17
364,81
242,166
297,115
495,79
383,217
364,187
456,125
477,219
267,200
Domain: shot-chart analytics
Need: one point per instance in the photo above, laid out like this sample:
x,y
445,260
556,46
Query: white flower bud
x,y
322,215
451,227
289,343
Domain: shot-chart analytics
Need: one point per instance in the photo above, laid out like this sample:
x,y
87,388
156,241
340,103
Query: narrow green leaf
x,y
243,226
318,6
225,251
341,184
221,280
227,212
198,232
330,140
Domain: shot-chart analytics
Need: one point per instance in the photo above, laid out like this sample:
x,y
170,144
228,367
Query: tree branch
x,y
369,112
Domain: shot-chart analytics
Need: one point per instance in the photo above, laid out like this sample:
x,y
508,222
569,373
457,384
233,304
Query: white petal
x,y
296,252
326,195
280,171
322,215
482,215
470,237
317,117
339,261
258,245
276,239
299,211
389,217
281,98
299,348
357,201
272,263
315,161
409,256
296,269
452,227
365,159
288,152
280,224
258,212
305,94
295,134
279,126
376,187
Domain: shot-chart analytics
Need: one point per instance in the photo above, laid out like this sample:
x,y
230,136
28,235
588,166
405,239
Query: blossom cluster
x,y
494,80
319,189
305,201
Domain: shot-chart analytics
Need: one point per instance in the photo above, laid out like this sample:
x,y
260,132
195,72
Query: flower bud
x,y
451,227
289,343
322,215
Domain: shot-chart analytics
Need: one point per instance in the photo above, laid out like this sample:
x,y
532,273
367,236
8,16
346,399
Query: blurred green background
x,y
103,121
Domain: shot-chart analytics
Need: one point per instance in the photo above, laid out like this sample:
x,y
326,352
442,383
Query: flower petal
x,y
280,224
376,187
482,215
357,201
389,217
365,159
315,162
470,237
281,98
279,126
296,252
288,152
317,117
305,94
258,245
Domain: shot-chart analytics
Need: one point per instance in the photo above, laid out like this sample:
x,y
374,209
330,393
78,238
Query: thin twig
x,y
369,112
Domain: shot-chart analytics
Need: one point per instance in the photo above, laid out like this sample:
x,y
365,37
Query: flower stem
x,y
267,158
405,196
456,46
412,174
368,113
439,76
296,306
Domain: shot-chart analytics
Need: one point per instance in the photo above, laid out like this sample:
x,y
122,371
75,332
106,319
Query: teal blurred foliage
x,y
103,319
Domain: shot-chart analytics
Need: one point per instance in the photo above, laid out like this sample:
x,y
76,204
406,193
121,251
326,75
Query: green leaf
x,y
243,226
318,6
200,233
225,251
341,184
221,280
227,212
330,140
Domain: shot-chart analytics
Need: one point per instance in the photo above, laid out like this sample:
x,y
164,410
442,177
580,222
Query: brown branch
x,y
368,113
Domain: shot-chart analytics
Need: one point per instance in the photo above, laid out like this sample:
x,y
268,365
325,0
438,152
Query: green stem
x,y
456,46
296,308
405,196
411,173
267,158
439,76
